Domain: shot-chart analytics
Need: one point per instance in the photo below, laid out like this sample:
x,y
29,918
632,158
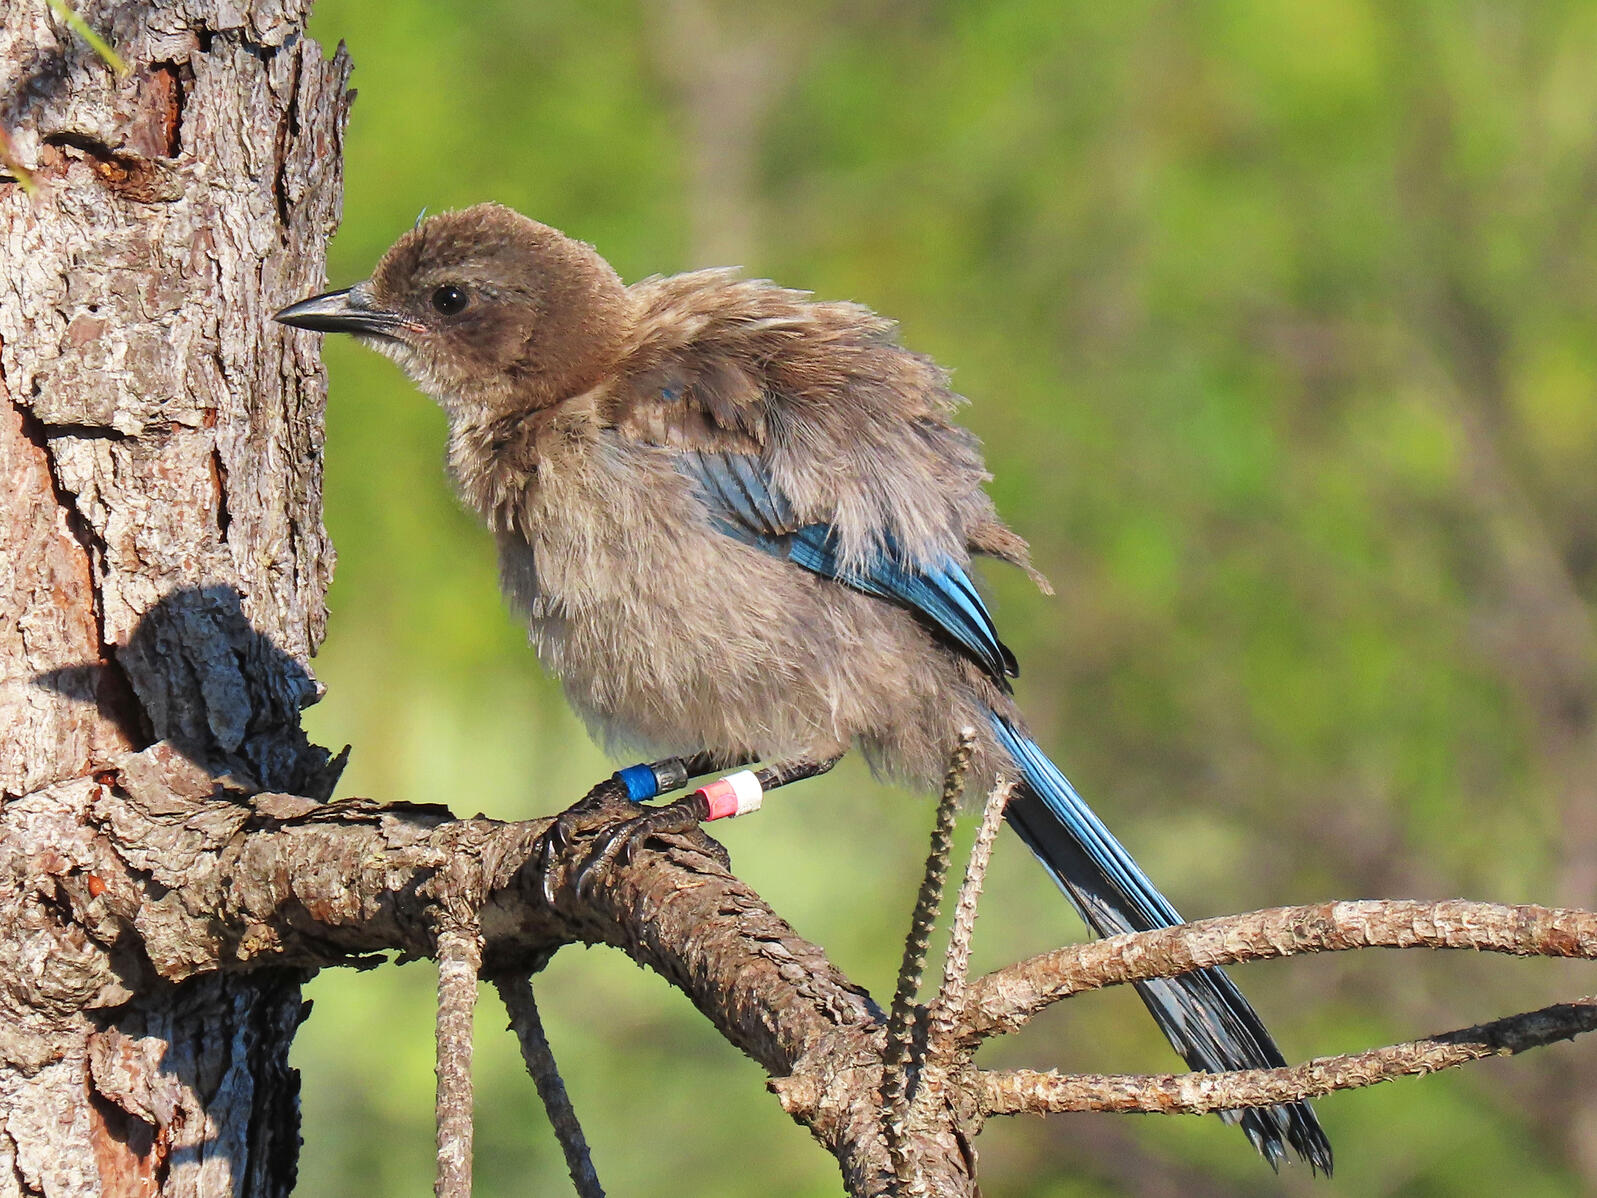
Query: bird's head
x,y
487,311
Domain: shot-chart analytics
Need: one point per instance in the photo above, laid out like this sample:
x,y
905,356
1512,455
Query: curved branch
x,y
1004,1000
1026,1091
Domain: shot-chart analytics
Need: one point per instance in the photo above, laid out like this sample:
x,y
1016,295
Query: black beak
x,y
346,311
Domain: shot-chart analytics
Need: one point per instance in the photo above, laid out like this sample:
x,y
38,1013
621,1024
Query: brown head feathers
x,y
500,312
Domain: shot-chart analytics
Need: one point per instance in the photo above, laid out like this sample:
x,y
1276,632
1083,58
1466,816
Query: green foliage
x,y
1278,324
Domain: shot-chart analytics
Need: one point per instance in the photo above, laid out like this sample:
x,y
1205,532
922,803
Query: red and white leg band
x,y
736,794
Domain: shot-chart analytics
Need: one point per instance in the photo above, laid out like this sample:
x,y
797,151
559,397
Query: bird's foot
x,y
620,842
636,783
735,794
591,812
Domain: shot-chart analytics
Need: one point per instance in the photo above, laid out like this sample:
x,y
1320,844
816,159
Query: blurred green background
x,y
1278,323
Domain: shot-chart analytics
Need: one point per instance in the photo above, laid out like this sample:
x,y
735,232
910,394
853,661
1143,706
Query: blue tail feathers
x,y
1202,1014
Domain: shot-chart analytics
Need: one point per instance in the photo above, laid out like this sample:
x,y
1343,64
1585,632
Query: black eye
x,y
449,300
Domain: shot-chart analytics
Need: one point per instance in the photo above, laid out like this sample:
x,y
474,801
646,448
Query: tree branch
x,y
1006,999
457,895
901,1017
949,1008
522,1007
1028,1092
459,955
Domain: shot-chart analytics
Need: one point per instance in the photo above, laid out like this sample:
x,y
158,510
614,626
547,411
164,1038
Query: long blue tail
x,y
1202,1014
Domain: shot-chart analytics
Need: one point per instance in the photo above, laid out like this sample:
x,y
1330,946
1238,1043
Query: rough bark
x,y
162,558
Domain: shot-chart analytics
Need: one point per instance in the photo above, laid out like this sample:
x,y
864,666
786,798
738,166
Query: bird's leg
x,y
650,779
735,794
784,772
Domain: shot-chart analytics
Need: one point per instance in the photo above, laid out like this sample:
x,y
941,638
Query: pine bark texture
x,y
162,564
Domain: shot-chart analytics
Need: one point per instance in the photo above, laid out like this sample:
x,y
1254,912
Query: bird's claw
x,y
563,833
622,841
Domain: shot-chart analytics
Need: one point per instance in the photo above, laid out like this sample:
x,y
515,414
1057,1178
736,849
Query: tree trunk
x,y
162,557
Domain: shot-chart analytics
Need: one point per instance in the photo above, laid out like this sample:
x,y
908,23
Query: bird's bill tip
x,y
339,312
328,312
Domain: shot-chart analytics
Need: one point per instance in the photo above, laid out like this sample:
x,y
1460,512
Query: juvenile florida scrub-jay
x,y
740,524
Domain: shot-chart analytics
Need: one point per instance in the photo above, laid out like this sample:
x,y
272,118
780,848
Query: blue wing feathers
x,y
744,503
943,595
739,496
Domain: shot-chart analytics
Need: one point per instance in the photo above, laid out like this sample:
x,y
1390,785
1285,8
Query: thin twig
x,y
950,1004
459,958
1025,1091
929,900
516,993
1006,999
901,1017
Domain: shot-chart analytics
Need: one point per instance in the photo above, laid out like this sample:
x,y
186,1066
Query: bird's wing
x,y
809,434
743,502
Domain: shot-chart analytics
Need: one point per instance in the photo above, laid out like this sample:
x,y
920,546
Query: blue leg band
x,y
640,782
